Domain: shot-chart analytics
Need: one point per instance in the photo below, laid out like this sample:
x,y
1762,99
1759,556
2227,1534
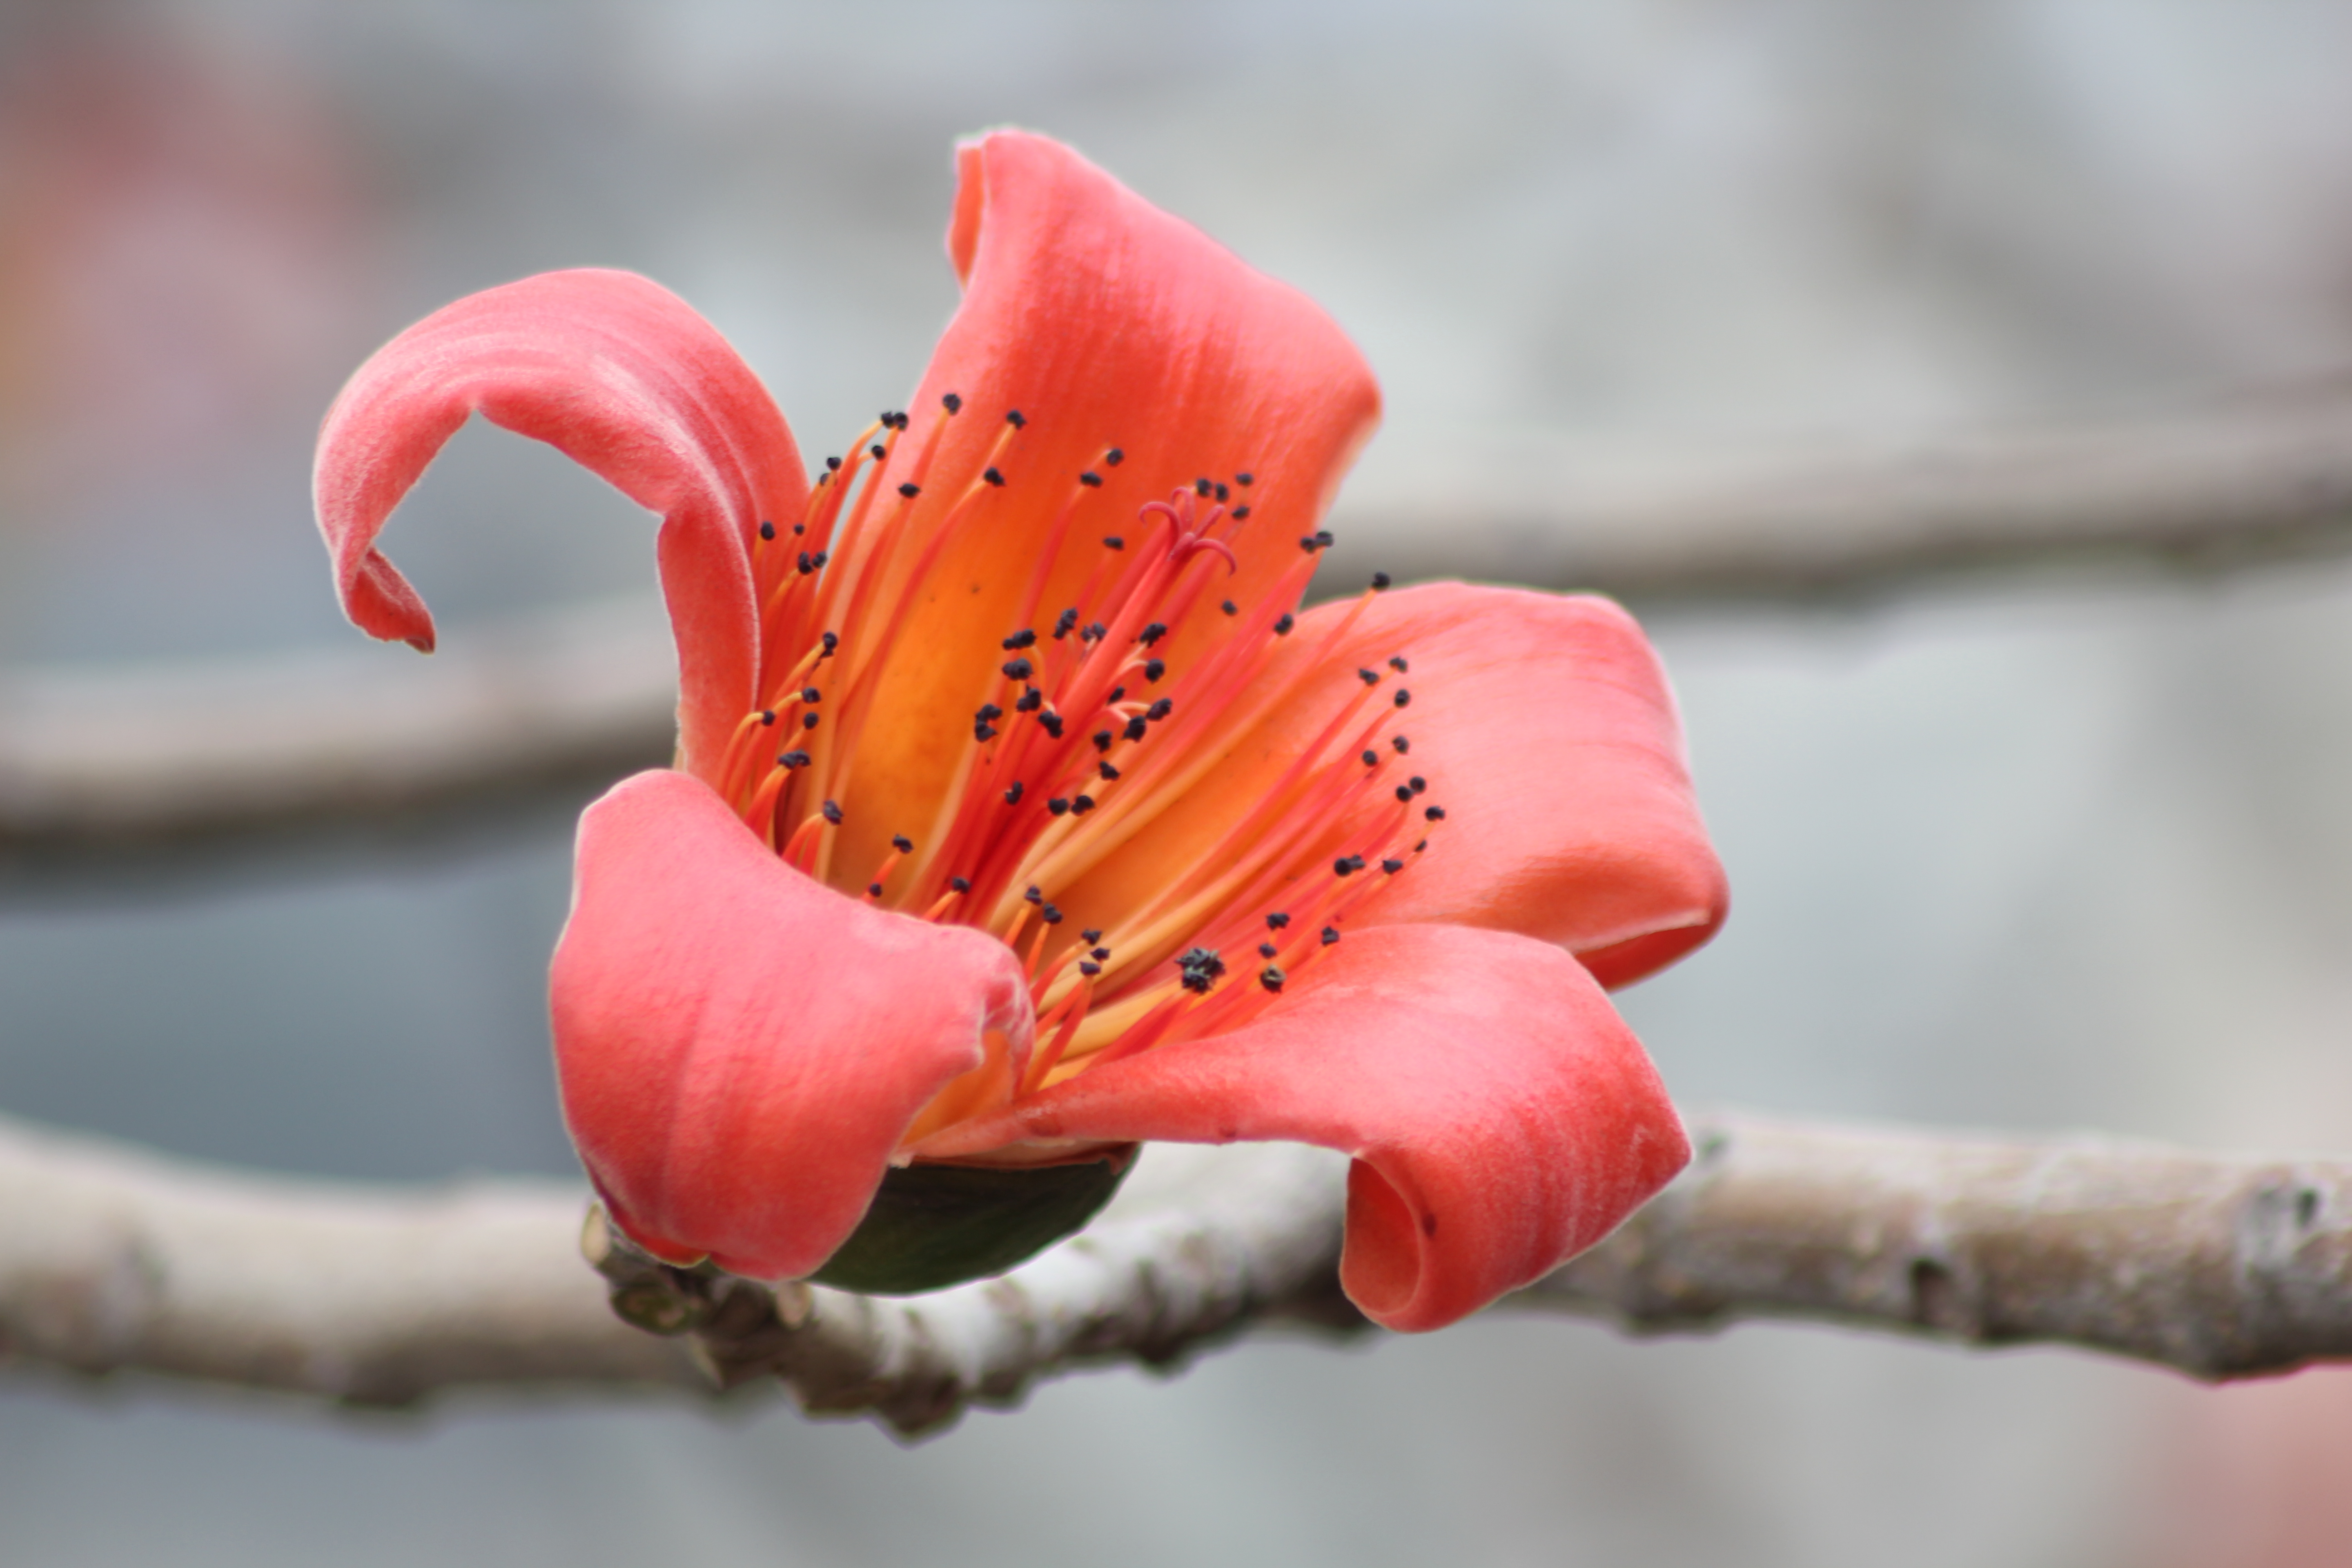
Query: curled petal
x,y
742,1049
1545,731
1501,1116
623,377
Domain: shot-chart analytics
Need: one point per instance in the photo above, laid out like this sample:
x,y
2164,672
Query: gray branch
x,y
132,759
2261,478
2219,1267
113,1260
143,758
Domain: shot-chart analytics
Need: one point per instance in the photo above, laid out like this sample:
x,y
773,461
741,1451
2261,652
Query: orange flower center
x,y
1092,723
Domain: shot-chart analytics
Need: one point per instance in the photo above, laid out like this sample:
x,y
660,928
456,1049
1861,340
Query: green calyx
x,y
935,1226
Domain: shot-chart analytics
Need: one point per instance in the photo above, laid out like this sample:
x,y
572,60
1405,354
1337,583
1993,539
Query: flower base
x,y
931,1226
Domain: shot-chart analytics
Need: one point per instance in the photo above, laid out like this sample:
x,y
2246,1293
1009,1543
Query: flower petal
x,y
1547,732
742,1049
625,378
1107,324
1501,1116
1543,728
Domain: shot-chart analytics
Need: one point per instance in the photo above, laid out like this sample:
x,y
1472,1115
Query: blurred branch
x,y
2257,479
113,1260
143,758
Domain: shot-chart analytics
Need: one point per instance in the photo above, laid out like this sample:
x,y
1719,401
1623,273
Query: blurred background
x,y
2066,851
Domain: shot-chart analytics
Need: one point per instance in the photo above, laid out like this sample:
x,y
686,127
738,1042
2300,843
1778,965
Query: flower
x,y
1019,815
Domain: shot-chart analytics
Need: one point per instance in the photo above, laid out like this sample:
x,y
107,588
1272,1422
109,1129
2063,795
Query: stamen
x,y
1065,1019
801,852
760,813
1028,811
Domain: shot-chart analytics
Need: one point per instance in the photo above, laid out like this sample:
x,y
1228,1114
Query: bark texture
x,y
2219,1267
115,1260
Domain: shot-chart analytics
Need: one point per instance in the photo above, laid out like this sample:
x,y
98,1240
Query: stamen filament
x,y
761,812
1066,1017
1101,719
802,850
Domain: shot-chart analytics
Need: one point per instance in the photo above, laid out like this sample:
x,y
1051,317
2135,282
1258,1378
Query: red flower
x,y
1017,816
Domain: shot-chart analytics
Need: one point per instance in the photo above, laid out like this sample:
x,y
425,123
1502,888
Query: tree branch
x,y
113,1260
140,758
2219,1267
134,758
2257,479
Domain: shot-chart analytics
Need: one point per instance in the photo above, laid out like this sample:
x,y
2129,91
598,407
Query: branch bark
x,y
134,758
2219,1267
113,1260
2259,477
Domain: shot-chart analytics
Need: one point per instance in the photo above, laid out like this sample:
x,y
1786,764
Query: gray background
x,y
2057,853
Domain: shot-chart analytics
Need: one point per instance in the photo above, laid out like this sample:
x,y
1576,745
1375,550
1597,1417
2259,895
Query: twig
x,y
2258,479
2219,1267
1199,1246
133,758
112,1259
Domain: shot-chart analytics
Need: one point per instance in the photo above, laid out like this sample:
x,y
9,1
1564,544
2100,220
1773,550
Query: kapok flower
x,y
1020,815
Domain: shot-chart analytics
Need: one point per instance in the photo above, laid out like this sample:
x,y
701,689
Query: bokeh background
x,y
2036,853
